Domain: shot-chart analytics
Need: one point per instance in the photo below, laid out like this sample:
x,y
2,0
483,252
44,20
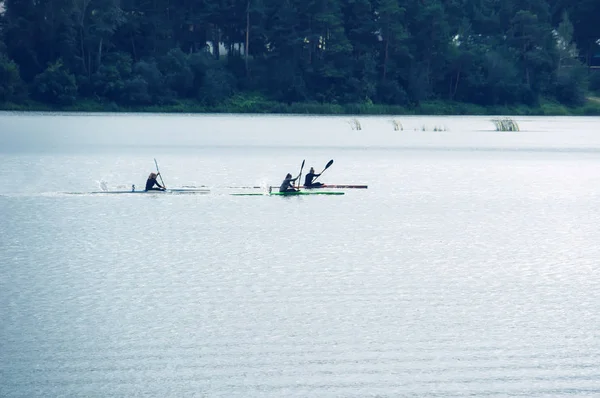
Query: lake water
x,y
470,267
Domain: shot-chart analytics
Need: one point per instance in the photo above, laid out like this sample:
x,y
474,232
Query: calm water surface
x,y
468,268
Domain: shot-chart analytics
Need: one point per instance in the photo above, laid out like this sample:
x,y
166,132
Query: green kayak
x,y
288,193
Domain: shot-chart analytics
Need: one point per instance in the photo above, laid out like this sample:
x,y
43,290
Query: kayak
x,y
338,186
297,193
331,186
167,191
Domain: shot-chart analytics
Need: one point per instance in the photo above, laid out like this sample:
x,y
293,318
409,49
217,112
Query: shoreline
x,y
257,106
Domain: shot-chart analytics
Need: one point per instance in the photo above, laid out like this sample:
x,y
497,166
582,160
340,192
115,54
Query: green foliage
x,y
553,108
218,85
590,109
338,56
11,85
249,103
177,72
571,86
586,29
111,78
564,41
135,92
199,63
431,36
391,92
55,85
502,85
530,39
594,81
147,71
314,108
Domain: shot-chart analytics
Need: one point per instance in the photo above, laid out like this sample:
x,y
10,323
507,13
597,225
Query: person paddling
x,y
308,181
288,184
151,182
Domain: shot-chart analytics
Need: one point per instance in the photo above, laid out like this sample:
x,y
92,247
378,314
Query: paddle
x,y
160,175
300,175
326,167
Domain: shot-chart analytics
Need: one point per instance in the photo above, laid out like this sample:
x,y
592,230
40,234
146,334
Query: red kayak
x,y
339,186
347,186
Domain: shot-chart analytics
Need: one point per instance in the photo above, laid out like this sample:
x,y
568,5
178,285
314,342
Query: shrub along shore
x,y
257,104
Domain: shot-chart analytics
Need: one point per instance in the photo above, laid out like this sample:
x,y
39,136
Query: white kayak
x,y
157,192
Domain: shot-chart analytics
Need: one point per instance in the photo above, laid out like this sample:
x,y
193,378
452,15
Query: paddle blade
x,y
328,164
300,175
158,171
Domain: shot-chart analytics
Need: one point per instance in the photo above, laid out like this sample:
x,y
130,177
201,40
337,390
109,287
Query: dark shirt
x,y
287,185
308,181
151,183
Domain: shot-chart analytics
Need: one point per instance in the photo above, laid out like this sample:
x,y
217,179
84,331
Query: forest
x,y
217,54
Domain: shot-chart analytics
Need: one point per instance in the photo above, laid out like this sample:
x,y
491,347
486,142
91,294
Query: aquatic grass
x,y
436,128
505,124
355,124
397,125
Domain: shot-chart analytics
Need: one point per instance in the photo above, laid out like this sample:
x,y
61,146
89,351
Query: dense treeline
x,y
401,52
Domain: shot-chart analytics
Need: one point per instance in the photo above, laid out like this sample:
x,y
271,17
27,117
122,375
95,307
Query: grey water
x,y
469,267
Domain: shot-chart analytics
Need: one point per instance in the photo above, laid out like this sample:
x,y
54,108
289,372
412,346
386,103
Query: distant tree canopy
x,y
139,52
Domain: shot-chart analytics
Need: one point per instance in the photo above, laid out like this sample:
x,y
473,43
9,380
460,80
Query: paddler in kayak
x,y
151,182
310,177
288,184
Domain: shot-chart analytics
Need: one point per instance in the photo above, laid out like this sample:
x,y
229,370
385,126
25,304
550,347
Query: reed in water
x,y
505,124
